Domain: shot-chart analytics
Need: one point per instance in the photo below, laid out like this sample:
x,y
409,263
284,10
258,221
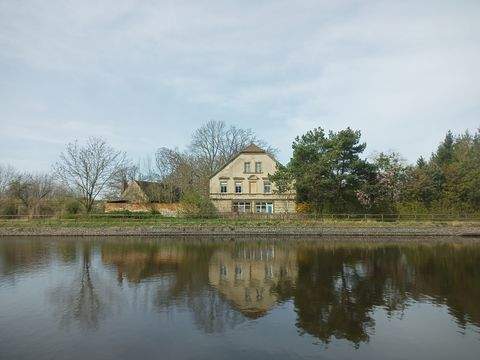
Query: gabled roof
x,y
250,149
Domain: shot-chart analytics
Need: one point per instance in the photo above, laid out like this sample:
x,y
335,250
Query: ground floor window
x,y
241,206
264,207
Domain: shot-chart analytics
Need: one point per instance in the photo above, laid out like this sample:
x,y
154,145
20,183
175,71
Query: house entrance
x,y
264,207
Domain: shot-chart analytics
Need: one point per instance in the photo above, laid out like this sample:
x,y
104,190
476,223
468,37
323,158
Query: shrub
x,y
73,207
8,207
303,208
197,205
46,208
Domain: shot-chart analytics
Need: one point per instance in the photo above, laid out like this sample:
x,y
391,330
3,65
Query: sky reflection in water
x,y
198,298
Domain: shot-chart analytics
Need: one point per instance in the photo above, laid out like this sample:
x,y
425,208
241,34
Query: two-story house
x,y
242,185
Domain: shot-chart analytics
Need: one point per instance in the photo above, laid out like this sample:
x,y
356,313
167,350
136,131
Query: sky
x,y
144,74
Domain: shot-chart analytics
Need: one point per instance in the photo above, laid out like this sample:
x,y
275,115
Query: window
x,y
246,168
241,206
223,271
238,272
238,187
223,186
268,272
264,207
258,167
267,187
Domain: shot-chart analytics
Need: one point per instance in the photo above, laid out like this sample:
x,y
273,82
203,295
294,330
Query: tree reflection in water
x,y
336,288
85,299
180,270
339,288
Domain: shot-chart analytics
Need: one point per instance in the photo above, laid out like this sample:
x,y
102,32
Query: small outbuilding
x,y
147,196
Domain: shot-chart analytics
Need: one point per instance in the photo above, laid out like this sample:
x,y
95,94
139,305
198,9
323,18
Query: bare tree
x,y
122,178
89,168
176,170
167,161
211,146
7,174
214,143
31,190
207,143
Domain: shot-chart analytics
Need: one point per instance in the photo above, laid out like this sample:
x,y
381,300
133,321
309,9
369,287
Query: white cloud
x,y
143,74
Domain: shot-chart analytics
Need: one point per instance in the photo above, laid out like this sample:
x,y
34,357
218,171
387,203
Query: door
x,y
270,208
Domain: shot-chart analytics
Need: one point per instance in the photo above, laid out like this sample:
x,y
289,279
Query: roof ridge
x,y
253,148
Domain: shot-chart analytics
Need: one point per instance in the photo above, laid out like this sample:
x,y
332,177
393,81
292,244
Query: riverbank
x,y
182,226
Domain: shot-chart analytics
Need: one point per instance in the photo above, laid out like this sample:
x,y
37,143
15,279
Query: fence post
x,y
382,217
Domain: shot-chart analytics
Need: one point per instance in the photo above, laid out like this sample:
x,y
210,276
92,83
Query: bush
x,y
8,207
197,206
303,208
46,208
73,207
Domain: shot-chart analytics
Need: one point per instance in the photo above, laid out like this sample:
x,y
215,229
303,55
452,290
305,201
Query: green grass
x,y
150,220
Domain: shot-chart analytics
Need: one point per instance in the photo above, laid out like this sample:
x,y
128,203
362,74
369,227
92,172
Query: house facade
x,y
243,186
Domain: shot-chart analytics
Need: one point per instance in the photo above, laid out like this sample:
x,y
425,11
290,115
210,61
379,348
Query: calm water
x,y
224,299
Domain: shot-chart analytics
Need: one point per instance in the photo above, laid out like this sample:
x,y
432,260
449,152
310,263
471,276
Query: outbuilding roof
x,y
153,190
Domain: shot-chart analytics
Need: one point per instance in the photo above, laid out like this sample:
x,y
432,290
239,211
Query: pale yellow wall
x,y
223,206
234,172
285,206
163,209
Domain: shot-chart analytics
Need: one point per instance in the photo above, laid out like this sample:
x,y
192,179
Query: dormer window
x,y
246,168
258,167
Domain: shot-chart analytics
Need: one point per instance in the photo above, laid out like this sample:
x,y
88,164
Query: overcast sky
x,y
143,74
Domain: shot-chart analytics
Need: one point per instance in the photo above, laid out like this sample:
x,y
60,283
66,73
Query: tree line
x,y
86,173
331,175
329,171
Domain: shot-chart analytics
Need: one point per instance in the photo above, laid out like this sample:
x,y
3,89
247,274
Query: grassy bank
x,y
159,221
155,224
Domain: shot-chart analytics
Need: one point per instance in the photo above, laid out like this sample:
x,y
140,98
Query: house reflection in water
x,y
136,263
249,277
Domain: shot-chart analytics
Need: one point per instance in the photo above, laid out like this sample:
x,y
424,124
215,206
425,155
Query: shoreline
x,y
350,231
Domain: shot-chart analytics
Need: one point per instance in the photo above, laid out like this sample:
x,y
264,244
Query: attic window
x,y
246,168
258,167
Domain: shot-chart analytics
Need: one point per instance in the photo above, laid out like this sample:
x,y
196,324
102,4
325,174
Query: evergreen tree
x,y
328,170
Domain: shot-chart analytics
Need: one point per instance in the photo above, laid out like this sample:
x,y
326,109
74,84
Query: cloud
x,y
144,74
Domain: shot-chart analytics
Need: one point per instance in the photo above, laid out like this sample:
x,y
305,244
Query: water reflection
x,y
249,277
335,288
78,300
